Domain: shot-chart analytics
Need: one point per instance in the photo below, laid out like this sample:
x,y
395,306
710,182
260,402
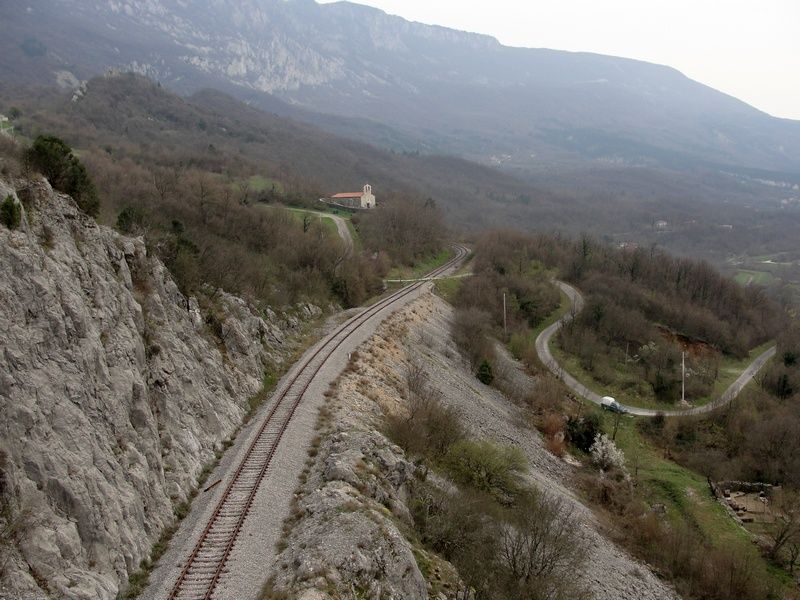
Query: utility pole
x,y
505,321
683,376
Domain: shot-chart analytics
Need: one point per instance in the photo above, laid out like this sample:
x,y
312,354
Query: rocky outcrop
x,y
347,540
115,390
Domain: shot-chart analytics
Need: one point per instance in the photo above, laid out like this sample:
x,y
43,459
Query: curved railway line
x,y
206,564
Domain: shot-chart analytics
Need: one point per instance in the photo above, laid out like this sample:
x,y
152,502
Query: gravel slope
x,y
611,573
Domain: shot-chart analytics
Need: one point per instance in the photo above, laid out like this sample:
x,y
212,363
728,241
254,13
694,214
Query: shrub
x,y
486,467
131,220
557,446
472,332
485,374
552,425
448,523
10,213
531,550
428,429
54,159
541,550
582,431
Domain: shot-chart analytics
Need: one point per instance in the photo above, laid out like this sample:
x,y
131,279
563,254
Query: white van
x,y
609,403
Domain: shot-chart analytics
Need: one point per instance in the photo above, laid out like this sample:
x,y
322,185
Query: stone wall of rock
x,y
114,394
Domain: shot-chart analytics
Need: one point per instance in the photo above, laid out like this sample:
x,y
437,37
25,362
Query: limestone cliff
x,y
115,393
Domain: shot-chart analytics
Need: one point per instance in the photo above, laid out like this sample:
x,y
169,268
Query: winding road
x,y
341,225
341,228
546,356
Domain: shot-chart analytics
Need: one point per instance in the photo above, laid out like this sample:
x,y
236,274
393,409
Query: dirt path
x,y
546,356
341,228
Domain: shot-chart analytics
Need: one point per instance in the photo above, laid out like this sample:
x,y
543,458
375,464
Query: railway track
x,y
206,564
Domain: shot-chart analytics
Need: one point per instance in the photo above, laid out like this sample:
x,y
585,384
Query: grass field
x,y
328,223
746,277
259,183
729,371
625,386
686,496
448,288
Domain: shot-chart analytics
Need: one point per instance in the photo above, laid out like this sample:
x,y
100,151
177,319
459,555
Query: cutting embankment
x,y
373,518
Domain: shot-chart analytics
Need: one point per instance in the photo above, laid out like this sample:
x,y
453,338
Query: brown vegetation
x,y
757,438
504,265
633,297
505,540
179,174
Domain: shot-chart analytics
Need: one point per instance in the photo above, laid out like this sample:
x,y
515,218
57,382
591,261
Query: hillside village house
x,y
363,199
5,126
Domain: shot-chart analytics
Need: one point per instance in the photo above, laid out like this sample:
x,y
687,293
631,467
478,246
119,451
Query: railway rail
x,y
206,564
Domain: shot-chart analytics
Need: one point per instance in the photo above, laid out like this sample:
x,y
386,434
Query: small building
x,y
6,128
361,200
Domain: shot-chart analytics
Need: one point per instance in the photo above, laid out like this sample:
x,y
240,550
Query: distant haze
x,y
747,48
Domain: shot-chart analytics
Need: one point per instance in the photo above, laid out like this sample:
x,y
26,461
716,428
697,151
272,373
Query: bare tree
x,y
244,193
541,549
786,530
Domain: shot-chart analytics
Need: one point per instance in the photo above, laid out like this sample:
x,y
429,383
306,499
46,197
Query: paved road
x,y
543,350
341,228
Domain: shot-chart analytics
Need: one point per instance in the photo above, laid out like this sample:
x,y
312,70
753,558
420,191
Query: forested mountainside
x,y
442,89
128,127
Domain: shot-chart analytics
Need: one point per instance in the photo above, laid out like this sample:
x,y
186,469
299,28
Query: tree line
x,y
151,164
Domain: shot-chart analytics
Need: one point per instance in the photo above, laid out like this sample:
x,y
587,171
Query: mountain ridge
x,y
405,83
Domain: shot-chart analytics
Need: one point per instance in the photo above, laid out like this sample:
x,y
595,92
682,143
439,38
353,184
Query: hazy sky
x,y
747,48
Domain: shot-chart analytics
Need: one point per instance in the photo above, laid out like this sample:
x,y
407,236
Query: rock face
x,y
114,395
347,540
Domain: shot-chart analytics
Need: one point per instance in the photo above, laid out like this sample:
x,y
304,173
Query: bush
x,y
531,550
449,524
54,159
428,429
131,220
471,329
10,213
486,467
541,550
582,431
485,374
